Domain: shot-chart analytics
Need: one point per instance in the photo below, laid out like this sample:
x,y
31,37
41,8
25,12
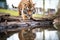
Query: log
x,y
16,26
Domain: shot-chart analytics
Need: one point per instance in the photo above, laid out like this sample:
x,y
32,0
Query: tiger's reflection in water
x,y
49,35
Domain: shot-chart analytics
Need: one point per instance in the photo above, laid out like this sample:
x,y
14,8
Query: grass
x,y
37,15
15,13
11,12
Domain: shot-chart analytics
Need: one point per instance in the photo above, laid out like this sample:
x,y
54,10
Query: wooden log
x,y
16,26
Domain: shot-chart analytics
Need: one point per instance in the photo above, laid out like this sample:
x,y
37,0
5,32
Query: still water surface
x,y
49,35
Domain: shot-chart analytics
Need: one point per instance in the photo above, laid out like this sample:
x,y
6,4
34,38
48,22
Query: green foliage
x,y
3,0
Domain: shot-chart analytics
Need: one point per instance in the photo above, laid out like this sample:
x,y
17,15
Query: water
x,y
13,37
49,35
